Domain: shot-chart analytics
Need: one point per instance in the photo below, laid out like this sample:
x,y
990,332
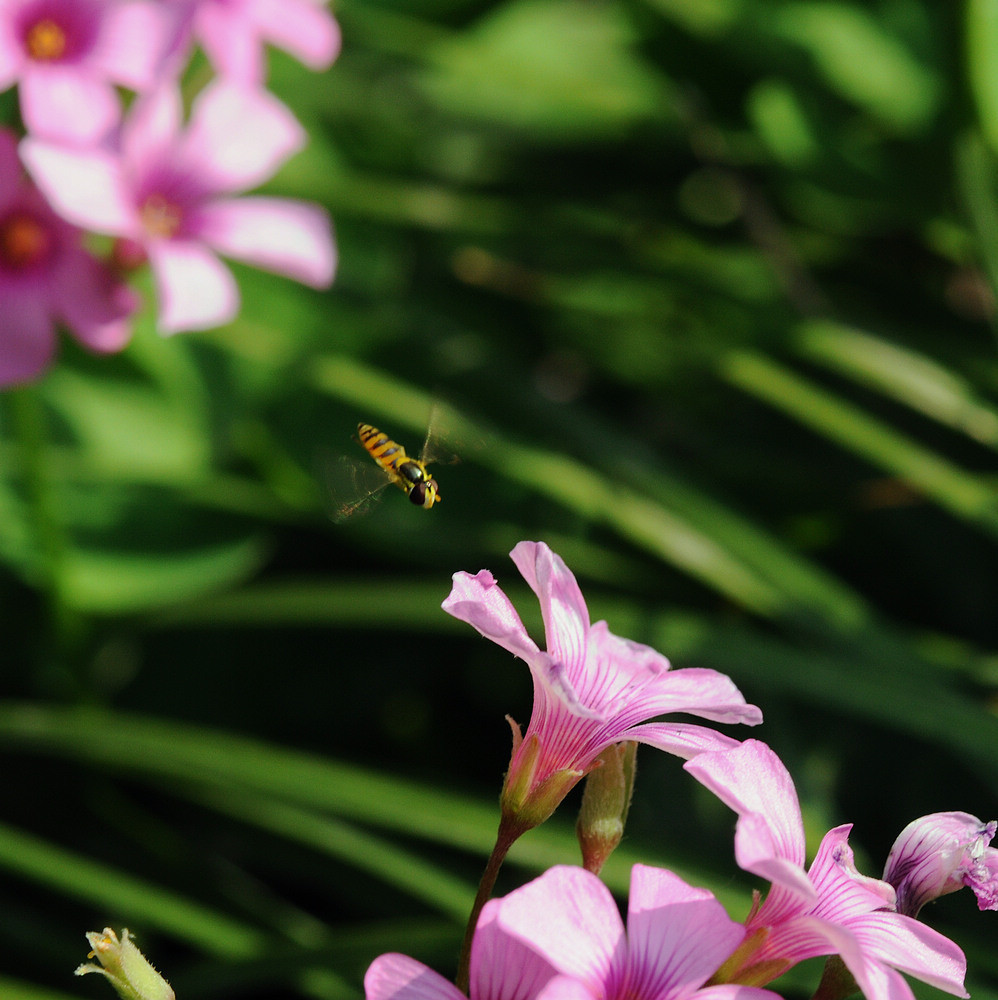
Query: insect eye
x,y
417,494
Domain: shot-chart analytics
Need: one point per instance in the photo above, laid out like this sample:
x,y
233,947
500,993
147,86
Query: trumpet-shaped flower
x,y
170,191
940,853
233,33
828,909
67,55
591,688
561,937
47,277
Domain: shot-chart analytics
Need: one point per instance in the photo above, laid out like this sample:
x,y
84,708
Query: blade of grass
x,y
105,886
963,494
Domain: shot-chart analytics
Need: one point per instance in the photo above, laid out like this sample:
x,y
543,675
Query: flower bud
x,y
605,803
940,853
125,966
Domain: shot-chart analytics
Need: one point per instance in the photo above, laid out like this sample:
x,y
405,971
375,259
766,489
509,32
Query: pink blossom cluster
x,y
165,187
561,937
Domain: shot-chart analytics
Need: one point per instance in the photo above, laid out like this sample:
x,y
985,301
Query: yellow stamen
x,y
160,217
23,241
46,41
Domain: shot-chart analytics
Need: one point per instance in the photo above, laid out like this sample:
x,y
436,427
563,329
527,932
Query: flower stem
x,y
837,981
508,833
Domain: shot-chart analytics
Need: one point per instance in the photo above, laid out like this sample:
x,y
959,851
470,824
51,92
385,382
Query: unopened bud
x,y
605,803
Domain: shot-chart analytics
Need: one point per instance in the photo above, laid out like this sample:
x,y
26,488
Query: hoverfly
x,y
363,483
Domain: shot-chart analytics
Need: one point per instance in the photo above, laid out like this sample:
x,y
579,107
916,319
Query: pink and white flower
x,y
561,937
47,277
591,688
233,33
828,909
171,192
66,56
940,853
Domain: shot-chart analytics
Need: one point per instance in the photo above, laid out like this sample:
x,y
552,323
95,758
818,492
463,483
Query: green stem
x,y
504,841
836,981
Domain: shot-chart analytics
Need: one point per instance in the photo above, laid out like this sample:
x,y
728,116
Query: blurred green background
x,y
707,290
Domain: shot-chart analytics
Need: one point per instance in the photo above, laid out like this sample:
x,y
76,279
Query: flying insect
x,y
394,466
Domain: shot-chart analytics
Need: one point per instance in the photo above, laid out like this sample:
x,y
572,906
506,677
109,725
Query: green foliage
x,y
705,295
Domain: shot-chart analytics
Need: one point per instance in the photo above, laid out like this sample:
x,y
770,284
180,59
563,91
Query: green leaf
x,y
561,69
126,582
863,61
982,64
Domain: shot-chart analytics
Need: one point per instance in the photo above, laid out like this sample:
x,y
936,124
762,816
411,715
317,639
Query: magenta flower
x,y
67,55
561,937
675,940
169,191
940,853
47,277
591,688
829,909
233,33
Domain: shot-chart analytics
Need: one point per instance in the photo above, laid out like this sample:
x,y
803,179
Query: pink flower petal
x,y
67,102
196,290
567,988
305,29
912,947
231,42
569,916
12,57
479,601
752,780
677,935
239,136
760,849
844,892
151,129
503,965
566,617
84,186
95,305
398,977
289,237
11,171
27,335
682,739
133,43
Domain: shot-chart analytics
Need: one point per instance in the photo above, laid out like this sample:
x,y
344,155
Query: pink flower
x,y
561,937
169,191
940,853
591,688
675,939
829,909
67,55
47,277
233,33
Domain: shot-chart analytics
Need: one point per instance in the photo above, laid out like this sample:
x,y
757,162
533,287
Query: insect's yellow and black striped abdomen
x,y
386,452
407,473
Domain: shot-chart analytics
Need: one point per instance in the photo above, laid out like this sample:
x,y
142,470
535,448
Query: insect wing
x,y
354,485
437,448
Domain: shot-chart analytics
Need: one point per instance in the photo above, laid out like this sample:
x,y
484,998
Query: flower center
x,y
24,242
161,217
46,41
